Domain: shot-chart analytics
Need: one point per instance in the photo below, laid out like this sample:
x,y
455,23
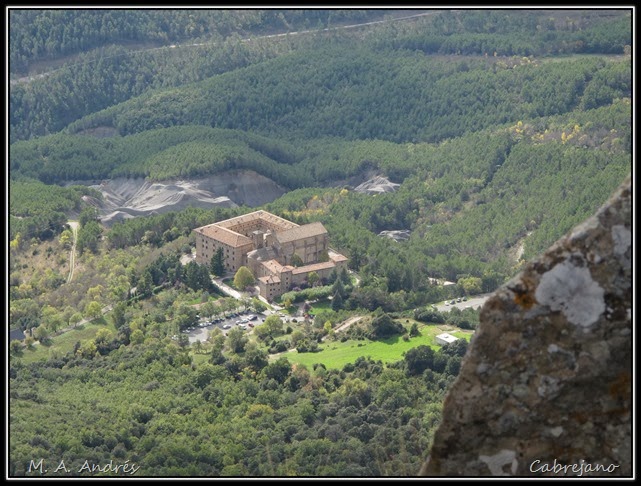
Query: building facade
x,y
280,254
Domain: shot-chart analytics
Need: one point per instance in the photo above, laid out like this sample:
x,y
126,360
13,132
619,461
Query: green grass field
x,y
65,342
335,354
320,306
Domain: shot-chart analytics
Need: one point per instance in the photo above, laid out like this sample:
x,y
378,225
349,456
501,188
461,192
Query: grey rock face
x,y
546,386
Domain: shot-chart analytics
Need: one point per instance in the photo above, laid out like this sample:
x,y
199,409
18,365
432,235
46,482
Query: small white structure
x,y
445,338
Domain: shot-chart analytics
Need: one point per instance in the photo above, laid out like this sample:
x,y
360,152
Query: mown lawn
x,y
65,342
320,306
335,354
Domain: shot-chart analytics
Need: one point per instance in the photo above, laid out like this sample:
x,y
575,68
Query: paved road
x,y
227,289
28,79
473,302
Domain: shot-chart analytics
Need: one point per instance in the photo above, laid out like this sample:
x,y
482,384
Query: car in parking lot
x,y
227,326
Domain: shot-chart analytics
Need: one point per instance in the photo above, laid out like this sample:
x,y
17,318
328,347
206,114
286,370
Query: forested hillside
x,y
499,129
47,34
400,96
109,74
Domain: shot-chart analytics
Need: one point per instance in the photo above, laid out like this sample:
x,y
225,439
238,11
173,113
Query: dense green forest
x,y
243,417
109,74
398,96
47,34
502,129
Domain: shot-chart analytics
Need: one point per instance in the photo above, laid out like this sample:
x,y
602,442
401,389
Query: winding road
x,y
28,79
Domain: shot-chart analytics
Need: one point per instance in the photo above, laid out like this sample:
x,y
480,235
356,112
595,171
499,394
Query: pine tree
x,y
344,276
337,302
339,288
217,264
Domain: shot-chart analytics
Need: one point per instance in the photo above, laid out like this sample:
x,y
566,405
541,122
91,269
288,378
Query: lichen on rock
x,y
571,290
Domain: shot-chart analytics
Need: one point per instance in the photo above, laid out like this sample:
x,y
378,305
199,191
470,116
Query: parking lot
x,y
235,319
473,302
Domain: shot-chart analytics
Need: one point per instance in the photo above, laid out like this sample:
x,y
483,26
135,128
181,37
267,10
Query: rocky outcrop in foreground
x,y
546,387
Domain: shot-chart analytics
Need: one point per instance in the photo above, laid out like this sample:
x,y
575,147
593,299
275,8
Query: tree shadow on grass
x,y
390,340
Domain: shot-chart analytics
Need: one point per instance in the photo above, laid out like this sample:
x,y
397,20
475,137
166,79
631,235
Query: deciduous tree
x,y
243,278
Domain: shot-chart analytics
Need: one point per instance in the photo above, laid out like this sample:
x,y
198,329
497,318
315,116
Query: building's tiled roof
x,y
257,215
336,257
274,267
224,235
263,254
314,267
16,334
305,231
269,279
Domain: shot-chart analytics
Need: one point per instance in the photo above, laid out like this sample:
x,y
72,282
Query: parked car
x,y
227,326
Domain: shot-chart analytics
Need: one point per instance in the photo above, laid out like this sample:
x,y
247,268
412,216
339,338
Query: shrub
x,y
429,315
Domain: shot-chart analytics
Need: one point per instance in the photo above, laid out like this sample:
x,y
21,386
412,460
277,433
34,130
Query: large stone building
x,y
280,254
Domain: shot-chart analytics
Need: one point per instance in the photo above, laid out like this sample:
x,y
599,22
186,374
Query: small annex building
x,y
445,338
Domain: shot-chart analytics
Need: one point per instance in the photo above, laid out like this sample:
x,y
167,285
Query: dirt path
x,y
345,325
348,322
342,327
72,257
